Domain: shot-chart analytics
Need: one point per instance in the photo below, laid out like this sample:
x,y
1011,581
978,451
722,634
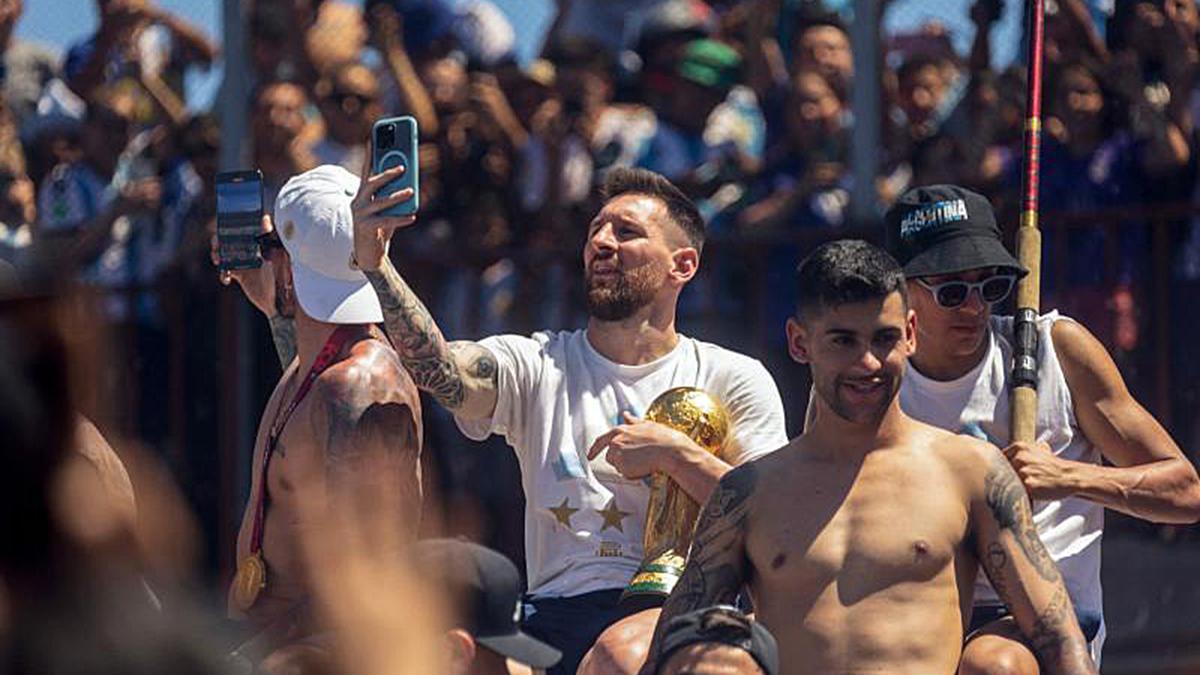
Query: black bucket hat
x,y
945,229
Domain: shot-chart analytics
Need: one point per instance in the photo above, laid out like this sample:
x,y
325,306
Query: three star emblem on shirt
x,y
612,515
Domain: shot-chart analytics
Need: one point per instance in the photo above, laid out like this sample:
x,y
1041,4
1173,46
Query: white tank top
x,y
978,404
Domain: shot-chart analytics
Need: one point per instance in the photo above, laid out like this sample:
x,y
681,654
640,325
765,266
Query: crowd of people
x,y
745,104
108,180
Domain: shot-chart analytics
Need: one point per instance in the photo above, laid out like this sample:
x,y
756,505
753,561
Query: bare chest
x,y
277,471
877,529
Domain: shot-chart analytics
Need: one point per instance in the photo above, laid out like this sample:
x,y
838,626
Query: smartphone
x,y
239,219
394,143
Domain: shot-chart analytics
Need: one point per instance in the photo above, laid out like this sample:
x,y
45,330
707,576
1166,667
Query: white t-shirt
x,y
977,404
556,395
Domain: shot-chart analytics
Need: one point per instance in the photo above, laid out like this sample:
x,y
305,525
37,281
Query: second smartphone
x,y
394,143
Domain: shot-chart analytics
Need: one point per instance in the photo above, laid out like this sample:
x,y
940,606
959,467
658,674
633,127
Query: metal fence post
x,y
865,101
237,424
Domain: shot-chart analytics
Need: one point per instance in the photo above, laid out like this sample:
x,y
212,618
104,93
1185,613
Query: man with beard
x,y
561,399
860,540
341,432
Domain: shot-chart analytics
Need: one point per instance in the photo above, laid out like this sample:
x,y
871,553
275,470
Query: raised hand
x,y
258,284
372,230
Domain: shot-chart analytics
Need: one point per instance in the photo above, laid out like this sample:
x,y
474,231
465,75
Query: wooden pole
x,y
1029,247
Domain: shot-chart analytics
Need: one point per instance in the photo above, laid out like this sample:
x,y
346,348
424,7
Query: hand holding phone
x,y
387,197
239,219
258,283
388,192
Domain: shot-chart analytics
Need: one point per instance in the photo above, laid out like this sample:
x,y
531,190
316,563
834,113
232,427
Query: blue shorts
x,y
982,615
572,624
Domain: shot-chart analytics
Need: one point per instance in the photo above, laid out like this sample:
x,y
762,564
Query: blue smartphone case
x,y
403,151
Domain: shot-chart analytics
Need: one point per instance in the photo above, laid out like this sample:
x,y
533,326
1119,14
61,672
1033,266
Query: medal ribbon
x,y
325,358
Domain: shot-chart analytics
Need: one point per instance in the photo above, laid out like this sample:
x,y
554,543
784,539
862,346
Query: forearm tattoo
x,y
1010,506
418,340
716,567
283,332
1055,637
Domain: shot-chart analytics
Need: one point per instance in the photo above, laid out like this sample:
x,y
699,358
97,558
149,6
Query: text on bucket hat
x,y
945,229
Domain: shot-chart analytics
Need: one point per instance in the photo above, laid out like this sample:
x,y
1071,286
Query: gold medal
x,y
249,581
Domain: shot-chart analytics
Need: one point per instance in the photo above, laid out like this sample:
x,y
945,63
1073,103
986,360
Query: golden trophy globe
x,y
671,514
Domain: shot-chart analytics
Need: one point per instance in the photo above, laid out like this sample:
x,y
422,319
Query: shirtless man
x,y
860,540
569,402
957,268
345,412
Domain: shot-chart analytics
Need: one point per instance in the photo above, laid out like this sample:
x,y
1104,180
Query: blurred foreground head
x,y
35,424
485,590
72,594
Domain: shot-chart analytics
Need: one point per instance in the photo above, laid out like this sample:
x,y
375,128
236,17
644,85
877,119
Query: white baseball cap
x,y
315,223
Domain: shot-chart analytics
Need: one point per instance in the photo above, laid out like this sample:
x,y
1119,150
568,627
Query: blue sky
x,y
43,21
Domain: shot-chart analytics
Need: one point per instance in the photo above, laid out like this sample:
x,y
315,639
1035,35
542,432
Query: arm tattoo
x,y
1054,637
418,340
1047,633
716,567
283,332
1011,509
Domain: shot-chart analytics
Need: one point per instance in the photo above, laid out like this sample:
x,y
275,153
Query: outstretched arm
x,y
462,376
1023,573
717,565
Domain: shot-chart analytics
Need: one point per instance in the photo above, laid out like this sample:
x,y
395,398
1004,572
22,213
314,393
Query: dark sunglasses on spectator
x,y
952,294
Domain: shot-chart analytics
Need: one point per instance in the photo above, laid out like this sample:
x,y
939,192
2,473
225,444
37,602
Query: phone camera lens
x,y
386,138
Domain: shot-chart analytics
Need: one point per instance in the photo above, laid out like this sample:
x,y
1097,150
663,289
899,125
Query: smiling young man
x,y
860,540
569,402
947,239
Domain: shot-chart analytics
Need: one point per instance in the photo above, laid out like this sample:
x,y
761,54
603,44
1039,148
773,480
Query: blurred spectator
x,y
609,22
701,141
348,98
68,560
18,212
27,67
922,90
1092,161
142,50
802,183
484,33
401,87
276,52
337,36
84,205
283,136
822,43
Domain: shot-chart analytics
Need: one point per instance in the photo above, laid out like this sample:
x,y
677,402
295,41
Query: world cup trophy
x,y
671,514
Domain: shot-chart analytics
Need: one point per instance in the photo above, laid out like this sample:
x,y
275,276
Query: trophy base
x,y
653,581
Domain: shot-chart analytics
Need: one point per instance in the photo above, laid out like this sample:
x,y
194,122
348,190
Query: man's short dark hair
x,y
820,18
847,271
620,181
